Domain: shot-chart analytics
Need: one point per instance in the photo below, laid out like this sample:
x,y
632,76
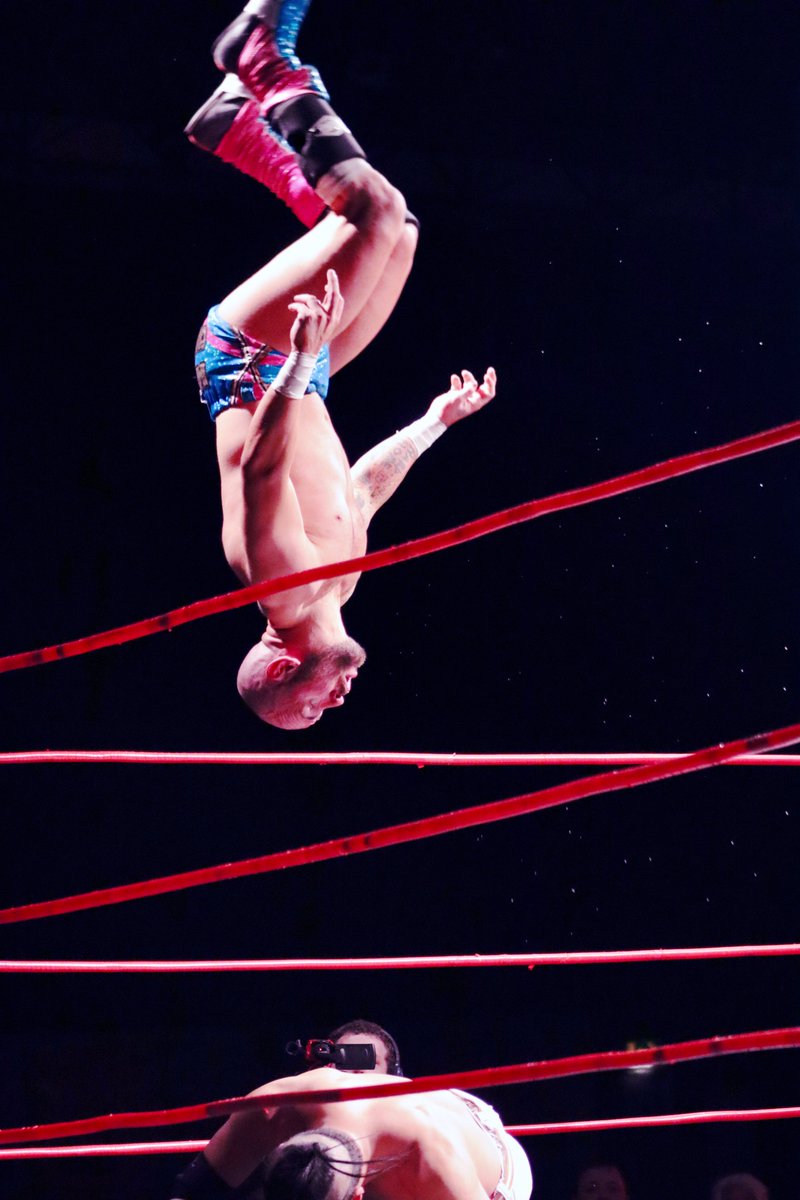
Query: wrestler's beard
x,y
333,659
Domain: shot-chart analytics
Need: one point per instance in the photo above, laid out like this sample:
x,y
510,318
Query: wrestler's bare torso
x,y
310,518
435,1148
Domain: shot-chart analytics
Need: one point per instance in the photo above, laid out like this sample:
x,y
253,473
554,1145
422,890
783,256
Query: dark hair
x,y
601,1164
304,1170
379,1033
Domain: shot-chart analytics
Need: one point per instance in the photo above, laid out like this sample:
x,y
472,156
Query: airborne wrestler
x,y
265,355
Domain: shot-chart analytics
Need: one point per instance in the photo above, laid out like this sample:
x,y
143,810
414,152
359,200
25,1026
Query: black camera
x,y
318,1052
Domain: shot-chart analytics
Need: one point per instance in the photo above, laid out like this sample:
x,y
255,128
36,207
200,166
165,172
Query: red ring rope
x,y
424,962
394,835
559,1068
111,1150
692,1118
364,757
434,542
716,1116
192,1147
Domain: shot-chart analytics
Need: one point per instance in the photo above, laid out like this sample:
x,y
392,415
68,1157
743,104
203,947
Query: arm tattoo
x,y
389,468
379,472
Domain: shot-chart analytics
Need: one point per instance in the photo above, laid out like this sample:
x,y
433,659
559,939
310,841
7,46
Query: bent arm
x,y
271,440
274,535
272,437
239,1147
263,530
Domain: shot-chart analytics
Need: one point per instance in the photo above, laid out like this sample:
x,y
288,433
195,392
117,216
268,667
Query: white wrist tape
x,y
424,432
292,379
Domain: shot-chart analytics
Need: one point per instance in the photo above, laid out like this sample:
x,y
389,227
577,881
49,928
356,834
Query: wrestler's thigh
x,y
379,305
358,254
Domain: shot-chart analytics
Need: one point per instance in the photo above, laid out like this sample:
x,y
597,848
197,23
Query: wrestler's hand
x,y
316,321
465,397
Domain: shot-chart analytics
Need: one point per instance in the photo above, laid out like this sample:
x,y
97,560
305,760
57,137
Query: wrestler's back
x,y
398,1123
442,1116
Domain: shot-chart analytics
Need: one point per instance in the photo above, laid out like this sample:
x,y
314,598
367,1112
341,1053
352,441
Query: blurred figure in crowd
x,y
739,1187
602,1181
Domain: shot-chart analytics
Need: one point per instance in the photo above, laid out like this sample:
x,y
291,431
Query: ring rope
x,y
644,477
559,1068
112,1149
655,1121
395,835
366,757
543,1127
425,962
714,1116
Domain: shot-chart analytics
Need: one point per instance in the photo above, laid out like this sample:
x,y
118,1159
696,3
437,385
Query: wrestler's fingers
x,y
333,295
455,382
468,377
313,302
337,307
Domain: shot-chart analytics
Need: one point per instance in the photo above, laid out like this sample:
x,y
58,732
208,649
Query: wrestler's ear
x,y
281,668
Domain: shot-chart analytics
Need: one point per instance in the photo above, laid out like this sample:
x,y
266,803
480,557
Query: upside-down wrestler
x,y
264,357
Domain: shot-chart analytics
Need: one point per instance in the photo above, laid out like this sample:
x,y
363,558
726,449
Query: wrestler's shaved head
x,y
291,694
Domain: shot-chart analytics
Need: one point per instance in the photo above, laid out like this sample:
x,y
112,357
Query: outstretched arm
x,y
379,472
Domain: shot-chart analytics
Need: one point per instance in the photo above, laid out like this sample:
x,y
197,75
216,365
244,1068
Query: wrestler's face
x,y
328,691
381,1054
601,1183
324,680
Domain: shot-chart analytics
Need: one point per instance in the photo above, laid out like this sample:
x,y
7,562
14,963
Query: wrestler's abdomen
x,y
321,477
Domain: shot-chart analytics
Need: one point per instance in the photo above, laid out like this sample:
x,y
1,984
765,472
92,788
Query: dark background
x,y
608,194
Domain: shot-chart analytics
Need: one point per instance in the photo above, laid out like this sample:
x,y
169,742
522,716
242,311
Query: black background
x,y
608,195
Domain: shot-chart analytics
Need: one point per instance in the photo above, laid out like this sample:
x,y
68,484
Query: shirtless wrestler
x,y
444,1145
290,499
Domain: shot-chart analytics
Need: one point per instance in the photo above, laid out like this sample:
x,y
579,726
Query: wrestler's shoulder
x,y
308,1081
323,1079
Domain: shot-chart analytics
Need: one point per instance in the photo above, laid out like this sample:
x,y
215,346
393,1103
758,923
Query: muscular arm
x,y
262,531
274,535
378,473
271,437
239,1147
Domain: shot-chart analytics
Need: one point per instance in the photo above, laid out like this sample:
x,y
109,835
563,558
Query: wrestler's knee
x,y
373,201
406,247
